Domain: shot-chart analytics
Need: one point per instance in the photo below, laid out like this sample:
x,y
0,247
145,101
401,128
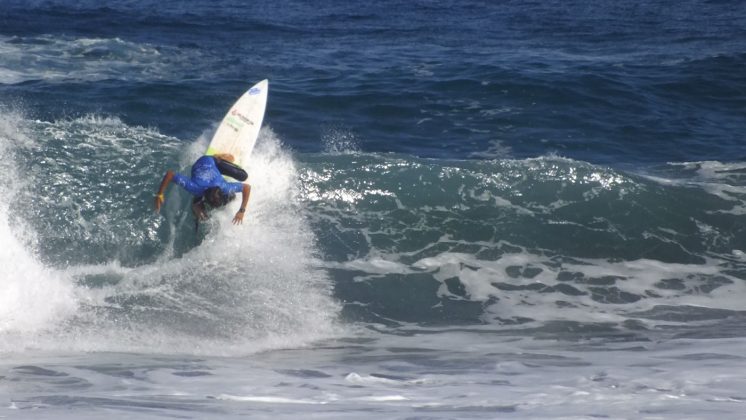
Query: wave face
x,y
94,268
547,243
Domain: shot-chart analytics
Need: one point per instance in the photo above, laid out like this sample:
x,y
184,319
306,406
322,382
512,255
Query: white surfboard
x,y
239,129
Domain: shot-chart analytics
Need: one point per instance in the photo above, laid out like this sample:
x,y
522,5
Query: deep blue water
x,y
548,170
632,82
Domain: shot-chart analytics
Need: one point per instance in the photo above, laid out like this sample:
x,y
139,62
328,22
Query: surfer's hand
x,y
198,209
159,202
238,218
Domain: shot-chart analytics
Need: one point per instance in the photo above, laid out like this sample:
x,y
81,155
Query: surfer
x,y
208,186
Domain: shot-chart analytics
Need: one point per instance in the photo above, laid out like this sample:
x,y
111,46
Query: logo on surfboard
x,y
241,117
254,91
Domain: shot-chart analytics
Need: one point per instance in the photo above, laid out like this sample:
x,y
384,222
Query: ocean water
x,y
460,209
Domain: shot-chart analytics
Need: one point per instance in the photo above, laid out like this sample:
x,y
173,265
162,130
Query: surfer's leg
x,y
225,156
231,169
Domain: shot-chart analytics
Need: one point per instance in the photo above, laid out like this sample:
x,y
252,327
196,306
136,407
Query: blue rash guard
x,y
205,174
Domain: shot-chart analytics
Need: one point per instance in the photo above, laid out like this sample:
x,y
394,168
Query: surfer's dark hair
x,y
215,197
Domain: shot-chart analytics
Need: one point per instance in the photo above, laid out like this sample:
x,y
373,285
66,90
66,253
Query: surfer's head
x,y
215,197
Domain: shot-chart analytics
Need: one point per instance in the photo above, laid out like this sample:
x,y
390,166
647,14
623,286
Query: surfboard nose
x,y
239,129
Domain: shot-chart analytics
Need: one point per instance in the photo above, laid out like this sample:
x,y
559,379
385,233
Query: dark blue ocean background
x,y
604,82
565,172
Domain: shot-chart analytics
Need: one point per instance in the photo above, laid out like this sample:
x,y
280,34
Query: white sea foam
x,y
484,280
32,297
637,277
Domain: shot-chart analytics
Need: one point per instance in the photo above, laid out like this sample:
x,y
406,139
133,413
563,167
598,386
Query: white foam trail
x,y
254,280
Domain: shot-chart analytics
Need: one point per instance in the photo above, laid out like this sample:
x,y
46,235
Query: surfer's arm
x,y
245,192
159,198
